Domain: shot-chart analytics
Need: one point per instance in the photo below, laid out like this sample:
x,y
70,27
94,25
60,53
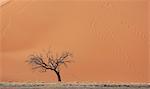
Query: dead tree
x,y
54,62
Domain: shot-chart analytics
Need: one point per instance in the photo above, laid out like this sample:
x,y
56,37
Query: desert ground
x,y
72,86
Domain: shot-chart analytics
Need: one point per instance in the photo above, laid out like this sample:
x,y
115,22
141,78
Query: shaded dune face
x,y
109,39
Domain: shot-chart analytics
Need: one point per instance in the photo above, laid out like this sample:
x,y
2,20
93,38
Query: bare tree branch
x,y
54,63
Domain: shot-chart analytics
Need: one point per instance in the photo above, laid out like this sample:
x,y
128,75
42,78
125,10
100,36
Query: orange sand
x,y
109,39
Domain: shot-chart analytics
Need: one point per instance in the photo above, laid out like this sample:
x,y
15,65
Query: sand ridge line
x,y
3,2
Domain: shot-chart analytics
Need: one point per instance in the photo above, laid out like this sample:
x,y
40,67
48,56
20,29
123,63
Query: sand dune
x,y
2,2
109,38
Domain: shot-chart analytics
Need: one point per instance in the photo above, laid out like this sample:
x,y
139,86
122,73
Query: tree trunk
x,y
58,76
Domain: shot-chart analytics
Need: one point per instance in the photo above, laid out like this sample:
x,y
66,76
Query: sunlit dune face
x,y
108,39
3,2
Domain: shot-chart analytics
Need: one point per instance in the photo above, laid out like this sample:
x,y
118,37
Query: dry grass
x,y
72,86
